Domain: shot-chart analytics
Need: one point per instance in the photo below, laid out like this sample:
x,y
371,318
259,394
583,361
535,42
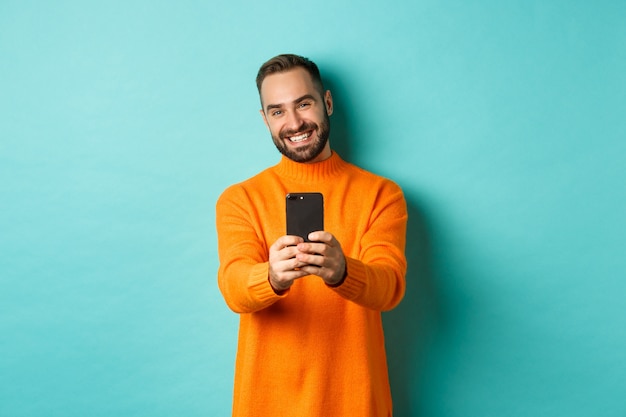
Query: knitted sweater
x,y
315,350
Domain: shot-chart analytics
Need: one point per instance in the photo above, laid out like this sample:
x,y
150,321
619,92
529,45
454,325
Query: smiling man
x,y
299,124
310,338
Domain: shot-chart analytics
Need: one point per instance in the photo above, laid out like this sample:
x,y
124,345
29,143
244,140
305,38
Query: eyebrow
x,y
296,101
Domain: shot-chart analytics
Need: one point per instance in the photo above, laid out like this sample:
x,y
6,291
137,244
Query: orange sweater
x,y
315,350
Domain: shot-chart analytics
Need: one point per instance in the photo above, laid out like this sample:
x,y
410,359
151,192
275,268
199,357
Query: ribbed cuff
x,y
354,282
259,285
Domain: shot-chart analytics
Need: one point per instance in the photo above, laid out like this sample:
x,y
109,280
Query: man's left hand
x,y
323,256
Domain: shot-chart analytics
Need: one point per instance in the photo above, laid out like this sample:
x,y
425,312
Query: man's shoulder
x,y
359,173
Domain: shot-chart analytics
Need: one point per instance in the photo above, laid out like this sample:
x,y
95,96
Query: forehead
x,y
285,87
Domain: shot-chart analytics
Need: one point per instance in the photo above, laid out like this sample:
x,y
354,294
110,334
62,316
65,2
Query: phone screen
x,y
305,213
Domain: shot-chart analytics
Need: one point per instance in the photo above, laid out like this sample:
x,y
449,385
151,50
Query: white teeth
x,y
299,138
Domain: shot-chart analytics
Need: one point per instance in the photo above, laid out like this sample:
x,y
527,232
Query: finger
x,y
283,273
321,236
320,271
311,269
289,276
310,259
283,249
312,248
285,266
285,241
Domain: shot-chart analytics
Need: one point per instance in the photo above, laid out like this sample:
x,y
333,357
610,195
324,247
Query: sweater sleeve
x,y
243,271
376,277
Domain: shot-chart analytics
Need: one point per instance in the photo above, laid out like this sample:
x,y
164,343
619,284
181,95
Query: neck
x,y
325,169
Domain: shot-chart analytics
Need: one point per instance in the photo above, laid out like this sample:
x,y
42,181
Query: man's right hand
x,y
284,268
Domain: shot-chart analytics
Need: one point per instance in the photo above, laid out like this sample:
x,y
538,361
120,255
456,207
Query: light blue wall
x,y
504,122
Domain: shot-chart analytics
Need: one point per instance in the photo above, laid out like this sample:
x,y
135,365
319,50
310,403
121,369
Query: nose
x,y
294,121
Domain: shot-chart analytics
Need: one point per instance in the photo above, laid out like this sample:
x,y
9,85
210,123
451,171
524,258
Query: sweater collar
x,y
304,172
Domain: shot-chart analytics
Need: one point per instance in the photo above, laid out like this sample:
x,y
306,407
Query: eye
x,y
276,113
304,105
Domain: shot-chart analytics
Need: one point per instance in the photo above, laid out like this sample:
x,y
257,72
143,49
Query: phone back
x,y
305,213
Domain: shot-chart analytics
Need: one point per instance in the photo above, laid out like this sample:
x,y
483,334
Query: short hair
x,y
286,62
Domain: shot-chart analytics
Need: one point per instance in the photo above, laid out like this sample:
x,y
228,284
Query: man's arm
x,y
375,278
244,264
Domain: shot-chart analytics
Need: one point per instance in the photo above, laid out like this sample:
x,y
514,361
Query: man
x,y
310,338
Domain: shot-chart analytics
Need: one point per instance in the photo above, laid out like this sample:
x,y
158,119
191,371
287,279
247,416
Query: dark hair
x,y
286,62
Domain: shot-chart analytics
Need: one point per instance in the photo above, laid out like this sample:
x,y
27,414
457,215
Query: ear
x,y
264,118
328,101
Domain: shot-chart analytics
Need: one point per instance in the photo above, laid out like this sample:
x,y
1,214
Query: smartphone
x,y
305,214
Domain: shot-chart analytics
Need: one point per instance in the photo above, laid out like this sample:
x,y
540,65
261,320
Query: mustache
x,y
304,127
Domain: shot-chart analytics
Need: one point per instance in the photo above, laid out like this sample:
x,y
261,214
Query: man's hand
x,y
323,257
284,267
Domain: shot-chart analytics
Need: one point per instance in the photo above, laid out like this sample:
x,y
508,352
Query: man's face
x,y
296,115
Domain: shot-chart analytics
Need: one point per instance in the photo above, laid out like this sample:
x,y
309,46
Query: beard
x,y
304,153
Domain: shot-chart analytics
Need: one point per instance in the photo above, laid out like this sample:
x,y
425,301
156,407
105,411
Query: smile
x,y
300,138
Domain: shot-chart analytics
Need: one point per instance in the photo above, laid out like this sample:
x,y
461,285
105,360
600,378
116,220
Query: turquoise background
x,y
503,121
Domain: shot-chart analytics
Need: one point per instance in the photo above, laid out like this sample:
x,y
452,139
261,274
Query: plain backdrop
x,y
504,122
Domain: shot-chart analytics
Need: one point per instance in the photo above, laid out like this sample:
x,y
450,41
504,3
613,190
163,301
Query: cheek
x,y
274,127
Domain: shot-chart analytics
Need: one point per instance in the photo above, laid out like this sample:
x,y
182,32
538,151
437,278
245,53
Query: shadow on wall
x,y
340,138
410,328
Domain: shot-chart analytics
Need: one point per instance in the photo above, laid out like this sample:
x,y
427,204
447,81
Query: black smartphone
x,y
305,214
